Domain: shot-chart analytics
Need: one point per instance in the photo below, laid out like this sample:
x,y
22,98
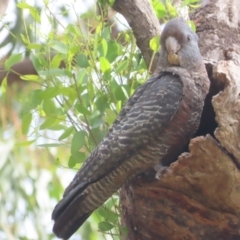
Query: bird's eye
x,y
189,38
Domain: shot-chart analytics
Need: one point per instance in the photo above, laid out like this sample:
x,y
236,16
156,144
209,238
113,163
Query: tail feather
x,y
80,200
66,234
65,214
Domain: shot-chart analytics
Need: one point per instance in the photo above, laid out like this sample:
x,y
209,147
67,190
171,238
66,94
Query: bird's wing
x,y
153,106
131,101
150,112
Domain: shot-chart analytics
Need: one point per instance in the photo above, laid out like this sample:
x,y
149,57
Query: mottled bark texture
x,y
218,27
198,196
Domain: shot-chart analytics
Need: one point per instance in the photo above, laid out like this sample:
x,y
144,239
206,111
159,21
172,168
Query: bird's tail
x,y
81,199
79,203
66,214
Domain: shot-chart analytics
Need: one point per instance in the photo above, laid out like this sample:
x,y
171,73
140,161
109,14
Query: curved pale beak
x,y
173,47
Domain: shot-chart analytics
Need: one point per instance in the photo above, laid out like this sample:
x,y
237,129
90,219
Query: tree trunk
x,y
198,196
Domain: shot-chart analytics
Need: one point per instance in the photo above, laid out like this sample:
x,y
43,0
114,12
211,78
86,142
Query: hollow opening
x,y
208,122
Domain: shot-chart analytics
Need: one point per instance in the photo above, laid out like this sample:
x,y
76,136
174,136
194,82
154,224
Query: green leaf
x,y
38,62
33,11
73,29
85,97
79,157
48,123
24,143
112,52
81,109
102,48
56,61
155,43
13,59
188,2
55,72
98,133
111,2
122,66
56,126
106,32
113,83
34,99
25,40
34,78
47,145
109,215
159,9
102,103
96,121
59,46
74,49
66,133
27,119
48,93
99,28
82,77
90,89
49,106
111,202
105,226
71,162
82,60
4,85
119,94
78,141
194,6
34,46
70,92
110,116
171,9
104,64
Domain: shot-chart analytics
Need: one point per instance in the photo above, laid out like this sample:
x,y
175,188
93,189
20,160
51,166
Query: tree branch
x,y
22,68
144,23
25,67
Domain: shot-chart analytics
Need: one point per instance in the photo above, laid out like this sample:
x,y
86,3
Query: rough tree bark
x,y
198,196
